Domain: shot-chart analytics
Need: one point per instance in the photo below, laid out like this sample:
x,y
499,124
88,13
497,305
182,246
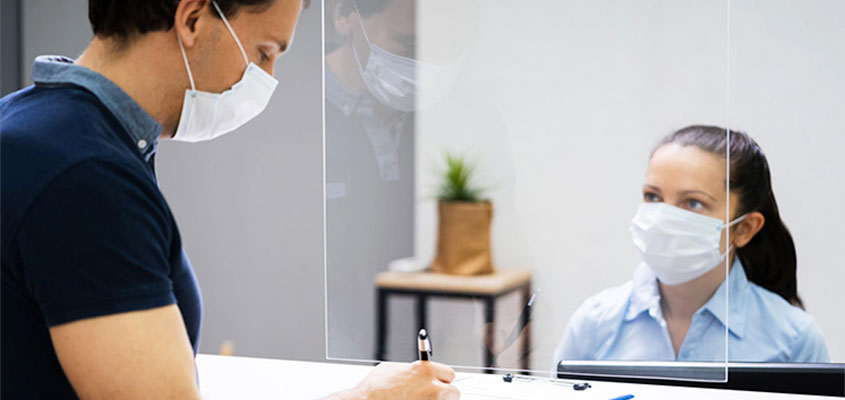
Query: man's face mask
x,y
393,79
677,245
206,116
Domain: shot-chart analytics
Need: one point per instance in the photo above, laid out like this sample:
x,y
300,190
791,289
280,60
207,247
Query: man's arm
x,y
424,380
140,354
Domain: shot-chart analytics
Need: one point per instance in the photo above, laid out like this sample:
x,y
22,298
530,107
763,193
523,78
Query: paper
x,y
492,387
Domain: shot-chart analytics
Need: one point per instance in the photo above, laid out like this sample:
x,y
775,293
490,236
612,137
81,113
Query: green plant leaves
x,y
457,180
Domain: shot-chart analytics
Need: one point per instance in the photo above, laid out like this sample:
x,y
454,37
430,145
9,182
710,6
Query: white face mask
x,y
206,116
677,245
393,79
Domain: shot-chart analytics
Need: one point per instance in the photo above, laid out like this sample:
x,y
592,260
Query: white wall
x,y
788,91
562,101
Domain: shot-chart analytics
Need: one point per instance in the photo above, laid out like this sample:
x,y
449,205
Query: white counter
x,y
256,378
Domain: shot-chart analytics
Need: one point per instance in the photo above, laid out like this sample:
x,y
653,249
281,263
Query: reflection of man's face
x,y
390,75
392,28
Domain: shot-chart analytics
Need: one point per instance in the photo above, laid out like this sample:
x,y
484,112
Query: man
x,y
98,298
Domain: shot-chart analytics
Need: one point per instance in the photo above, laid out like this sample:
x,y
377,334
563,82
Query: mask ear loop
x,y
232,31
732,223
363,29
354,50
185,58
736,221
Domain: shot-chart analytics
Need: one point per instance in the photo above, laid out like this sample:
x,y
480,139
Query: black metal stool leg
x,y
381,325
526,330
489,333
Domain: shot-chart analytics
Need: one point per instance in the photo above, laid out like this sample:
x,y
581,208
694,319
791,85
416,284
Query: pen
x,y
525,317
424,345
625,397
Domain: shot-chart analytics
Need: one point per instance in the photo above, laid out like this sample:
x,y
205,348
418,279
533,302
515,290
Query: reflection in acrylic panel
x,y
587,146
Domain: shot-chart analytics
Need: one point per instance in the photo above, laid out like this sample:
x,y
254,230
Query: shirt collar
x,y
338,96
645,296
736,296
141,126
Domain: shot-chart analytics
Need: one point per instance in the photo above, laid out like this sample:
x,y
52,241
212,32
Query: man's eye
x,y
651,197
264,56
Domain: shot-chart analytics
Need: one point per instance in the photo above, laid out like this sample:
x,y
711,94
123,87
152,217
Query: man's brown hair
x,y
123,19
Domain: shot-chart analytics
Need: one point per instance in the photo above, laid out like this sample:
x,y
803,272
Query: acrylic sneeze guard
x,y
558,105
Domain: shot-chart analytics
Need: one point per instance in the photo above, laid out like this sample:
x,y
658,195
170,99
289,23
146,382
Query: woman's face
x,y
691,179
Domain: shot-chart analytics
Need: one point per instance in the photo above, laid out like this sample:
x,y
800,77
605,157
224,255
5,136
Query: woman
x,y
674,307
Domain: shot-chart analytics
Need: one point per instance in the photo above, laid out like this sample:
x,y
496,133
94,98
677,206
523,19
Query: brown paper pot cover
x,y
463,239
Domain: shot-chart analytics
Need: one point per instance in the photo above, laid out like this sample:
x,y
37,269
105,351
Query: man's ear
x,y
748,228
190,19
343,14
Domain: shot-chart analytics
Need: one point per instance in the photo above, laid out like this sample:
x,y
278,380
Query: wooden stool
x,y
422,285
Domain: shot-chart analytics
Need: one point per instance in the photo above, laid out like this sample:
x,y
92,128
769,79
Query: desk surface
x,y
255,378
495,283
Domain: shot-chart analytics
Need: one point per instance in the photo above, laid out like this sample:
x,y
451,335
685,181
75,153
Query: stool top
x,y
498,282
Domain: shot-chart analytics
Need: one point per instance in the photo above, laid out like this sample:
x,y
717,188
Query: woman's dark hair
x,y
769,258
122,19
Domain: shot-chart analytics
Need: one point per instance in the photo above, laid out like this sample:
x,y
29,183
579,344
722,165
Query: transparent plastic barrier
x,y
557,107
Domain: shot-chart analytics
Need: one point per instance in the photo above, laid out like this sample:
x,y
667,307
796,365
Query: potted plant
x,y
463,234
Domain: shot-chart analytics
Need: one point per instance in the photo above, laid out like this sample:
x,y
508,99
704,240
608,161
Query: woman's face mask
x,y
206,116
394,79
678,245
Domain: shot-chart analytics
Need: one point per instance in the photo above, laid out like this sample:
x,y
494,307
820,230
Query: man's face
x,y
393,29
265,34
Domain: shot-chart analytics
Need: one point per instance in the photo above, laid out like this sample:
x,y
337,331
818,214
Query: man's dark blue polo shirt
x,y
85,230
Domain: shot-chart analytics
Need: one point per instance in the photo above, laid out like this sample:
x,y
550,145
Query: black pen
x,y
424,345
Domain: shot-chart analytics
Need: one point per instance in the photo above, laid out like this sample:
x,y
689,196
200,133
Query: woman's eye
x,y
651,197
694,205
264,56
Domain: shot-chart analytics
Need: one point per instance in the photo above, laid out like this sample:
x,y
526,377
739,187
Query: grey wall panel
x,y
10,46
52,27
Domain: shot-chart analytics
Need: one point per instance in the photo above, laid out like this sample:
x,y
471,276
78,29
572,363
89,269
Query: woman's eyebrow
x,y
686,192
652,187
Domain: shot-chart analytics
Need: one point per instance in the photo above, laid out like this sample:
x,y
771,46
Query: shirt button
x,y
142,143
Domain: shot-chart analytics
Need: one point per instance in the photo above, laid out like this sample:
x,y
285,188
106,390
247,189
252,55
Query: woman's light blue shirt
x,y
625,323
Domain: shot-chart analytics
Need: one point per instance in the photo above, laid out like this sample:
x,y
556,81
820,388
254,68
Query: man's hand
x,y
424,380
